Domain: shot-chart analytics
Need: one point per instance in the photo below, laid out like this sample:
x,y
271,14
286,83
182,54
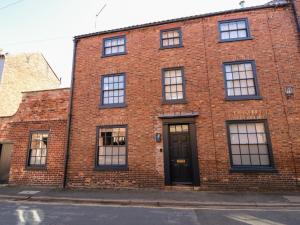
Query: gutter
x,y
67,150
296,15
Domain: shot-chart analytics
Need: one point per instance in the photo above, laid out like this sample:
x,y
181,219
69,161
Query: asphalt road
x,y
24,213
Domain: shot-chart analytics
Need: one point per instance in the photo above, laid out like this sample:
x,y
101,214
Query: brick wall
x,y
274,48
43,110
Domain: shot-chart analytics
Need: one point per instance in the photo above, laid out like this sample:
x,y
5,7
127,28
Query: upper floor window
x,y
173,85
234,30
38,148
114,46
241,80
170,38
249,144
112,146
113,90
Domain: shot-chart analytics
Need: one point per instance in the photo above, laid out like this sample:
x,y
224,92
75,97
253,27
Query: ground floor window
x,y
38,148
249,144
112,146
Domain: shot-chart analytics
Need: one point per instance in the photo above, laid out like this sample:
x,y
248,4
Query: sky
x,y
48,26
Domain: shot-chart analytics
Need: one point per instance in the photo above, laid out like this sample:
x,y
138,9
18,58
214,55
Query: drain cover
x,y
28,192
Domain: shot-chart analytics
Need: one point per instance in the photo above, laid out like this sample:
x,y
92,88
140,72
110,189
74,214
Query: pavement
x,y
150,197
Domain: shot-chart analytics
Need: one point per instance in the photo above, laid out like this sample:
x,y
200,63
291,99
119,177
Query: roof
x,y
182,19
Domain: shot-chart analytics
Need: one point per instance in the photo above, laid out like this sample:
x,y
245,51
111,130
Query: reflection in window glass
x,y
249,145
112,146
234,30
240,79
173,84
113,89
114,46
38,148
171,38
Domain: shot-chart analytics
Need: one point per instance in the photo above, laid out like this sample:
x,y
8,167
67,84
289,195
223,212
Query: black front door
x,y
180,154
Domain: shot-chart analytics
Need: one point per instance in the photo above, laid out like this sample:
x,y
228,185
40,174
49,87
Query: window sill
x,y
35,168
105,56
170,47
112,106
253,169
237,39
243,98
171,102
111,168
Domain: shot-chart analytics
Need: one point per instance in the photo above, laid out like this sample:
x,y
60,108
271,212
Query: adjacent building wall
x,y
43,110
23,72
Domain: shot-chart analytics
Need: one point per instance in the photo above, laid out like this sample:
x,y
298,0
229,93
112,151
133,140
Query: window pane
x,y
264,160
122,160
235,149
245,159
236,160
234,139
243,138
253,149
101,160
107,43
233,26
233,34
242,33
224,35
179,95
107,51
255,160
121,41
263,149
224,27
114,50
241,25
230,92
244,149
121,49
233,128
114,42
252,138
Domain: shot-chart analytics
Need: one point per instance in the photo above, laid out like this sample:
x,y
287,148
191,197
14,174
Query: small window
x,y
1,66
112,146
240,80
170,38
114,46
113,90
173,85
234,30
38,148
249,143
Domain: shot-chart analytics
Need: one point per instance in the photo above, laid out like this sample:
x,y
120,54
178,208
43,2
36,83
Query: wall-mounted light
x,y
158,137
289,91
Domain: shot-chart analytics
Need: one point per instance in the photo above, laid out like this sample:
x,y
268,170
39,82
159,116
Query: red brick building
x,y
209,101
37,135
